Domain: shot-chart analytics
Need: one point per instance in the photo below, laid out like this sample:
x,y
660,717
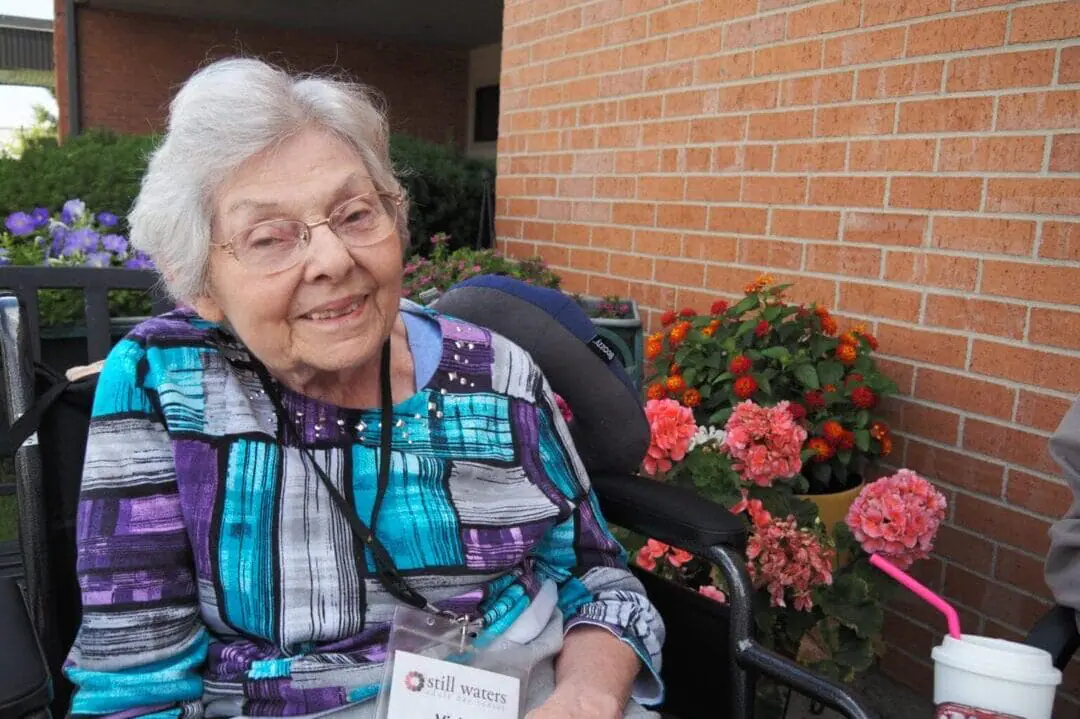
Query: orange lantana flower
x,y
691,397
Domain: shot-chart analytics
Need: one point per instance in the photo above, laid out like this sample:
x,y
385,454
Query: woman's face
x,y
331,311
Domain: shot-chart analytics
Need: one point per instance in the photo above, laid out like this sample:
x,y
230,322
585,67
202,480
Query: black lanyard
x,y
385,571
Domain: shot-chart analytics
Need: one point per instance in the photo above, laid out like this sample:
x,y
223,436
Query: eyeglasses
x,y
278,245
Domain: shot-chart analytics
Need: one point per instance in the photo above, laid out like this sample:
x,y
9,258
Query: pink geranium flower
x,y
897,517
712,593
671,427
648,554
765,442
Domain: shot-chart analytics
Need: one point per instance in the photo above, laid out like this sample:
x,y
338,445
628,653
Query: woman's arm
x,y
141,646
1063,559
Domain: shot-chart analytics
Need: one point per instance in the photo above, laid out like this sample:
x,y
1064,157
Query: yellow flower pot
x,y
832,508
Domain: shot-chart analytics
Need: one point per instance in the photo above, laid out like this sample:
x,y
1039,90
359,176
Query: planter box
x,y
626,337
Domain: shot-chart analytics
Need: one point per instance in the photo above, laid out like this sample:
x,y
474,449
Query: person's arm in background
x,y
613,634
1063,560
141,646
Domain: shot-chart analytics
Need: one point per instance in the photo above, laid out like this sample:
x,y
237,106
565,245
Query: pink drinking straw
x,y
921,591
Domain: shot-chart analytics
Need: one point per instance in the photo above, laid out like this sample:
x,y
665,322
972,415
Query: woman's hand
x,y
578,702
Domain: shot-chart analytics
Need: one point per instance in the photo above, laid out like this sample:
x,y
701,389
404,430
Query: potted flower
x,y
770,351
428,275
73,237
825,615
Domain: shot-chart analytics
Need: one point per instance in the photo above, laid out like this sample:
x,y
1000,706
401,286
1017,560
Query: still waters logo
x,y
448,687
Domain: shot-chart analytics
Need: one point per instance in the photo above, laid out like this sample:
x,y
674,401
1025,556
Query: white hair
x,y
223,115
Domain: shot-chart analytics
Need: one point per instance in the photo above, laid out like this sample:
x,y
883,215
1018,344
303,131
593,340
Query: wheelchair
x,y
712,660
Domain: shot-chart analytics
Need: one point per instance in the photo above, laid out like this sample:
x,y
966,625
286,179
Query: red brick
x,y
770,253
994,600
1031,281
847,191
970,551
916,674
691,102
1065,154
653,242
603,285
641,108
634,213
1037,494
1001,524
680,273
878,12
706,188
969,114
634,266
1060,241
902,373
667,77
954,34
686,217
1022,570
755,31
672,132
1057,196
977,4
877,301
918,78
630,162
1041,411
920,268
841,260
920,420
892,155
1069,69
717,10
711,247
991,154
810,156
865,47
623,188
1055,328
936,348
972,395
956,468
695,44
855,120
785,125
538,231
969,314
1000,71
723,68
906,636
820,19
884,229
984,235
809,224
746,220
793,57
754,96
773,190
936,193
1039,110
613,238
740,158
679,17
818,89
648,188
1052,21
1027,366
717,129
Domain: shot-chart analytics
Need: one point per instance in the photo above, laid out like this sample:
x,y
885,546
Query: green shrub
x,y
103,170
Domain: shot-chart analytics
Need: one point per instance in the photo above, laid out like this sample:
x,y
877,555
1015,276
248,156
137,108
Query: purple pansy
x,y
116,244
107,219
20,224
82,240
59,238
41,217
139,261
98,259
73,210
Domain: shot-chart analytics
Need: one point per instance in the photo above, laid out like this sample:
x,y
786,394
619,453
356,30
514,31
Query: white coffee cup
x,y
995,675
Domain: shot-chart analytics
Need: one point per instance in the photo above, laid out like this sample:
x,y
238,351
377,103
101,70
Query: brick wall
x,y
914,164
130,65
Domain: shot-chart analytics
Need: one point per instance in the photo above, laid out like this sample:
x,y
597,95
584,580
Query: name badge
x,y
426,688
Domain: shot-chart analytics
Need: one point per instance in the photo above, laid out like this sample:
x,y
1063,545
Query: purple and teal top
x,y
218,578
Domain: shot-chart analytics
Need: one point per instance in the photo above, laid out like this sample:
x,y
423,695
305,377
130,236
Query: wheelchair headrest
x,y
609,427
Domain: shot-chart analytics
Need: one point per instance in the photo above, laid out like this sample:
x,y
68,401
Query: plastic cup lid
x,y
998,658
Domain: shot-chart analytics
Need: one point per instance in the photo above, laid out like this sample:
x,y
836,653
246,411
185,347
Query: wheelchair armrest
x,y
24,676
673,515
1057,633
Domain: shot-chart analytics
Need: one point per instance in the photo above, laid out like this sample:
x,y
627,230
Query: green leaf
x,y
830,372
763,383
681,354
706,390
720,417
862,439
807,374
772,312
822,473
714,360
746,304
745,327
844,455
862,419
807,454
775,352
821,344
689,375
721,378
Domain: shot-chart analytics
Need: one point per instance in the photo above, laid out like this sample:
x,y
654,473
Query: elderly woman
x,y
278,468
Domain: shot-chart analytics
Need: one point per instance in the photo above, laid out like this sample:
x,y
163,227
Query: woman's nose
x,y
327,255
